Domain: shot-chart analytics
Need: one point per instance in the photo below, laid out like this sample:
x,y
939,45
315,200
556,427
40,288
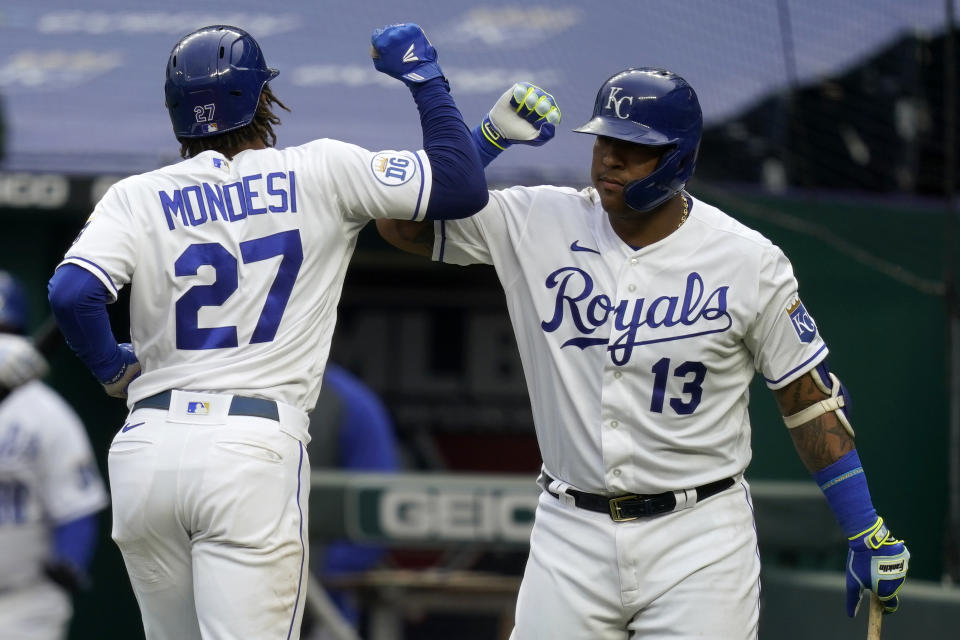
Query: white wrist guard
x,y
837,402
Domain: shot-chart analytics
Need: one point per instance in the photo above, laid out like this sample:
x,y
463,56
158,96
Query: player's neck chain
x,y
686,210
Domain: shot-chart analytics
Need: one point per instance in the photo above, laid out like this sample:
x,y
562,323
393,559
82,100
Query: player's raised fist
x,y
403,52
524,114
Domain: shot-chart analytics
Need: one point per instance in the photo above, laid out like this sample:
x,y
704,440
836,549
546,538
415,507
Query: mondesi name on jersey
x,y
251,195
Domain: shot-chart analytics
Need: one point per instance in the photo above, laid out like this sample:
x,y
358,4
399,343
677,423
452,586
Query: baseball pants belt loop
x,y
239,406
633,506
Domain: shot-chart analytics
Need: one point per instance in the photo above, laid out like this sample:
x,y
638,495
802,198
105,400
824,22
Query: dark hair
x,y
260,128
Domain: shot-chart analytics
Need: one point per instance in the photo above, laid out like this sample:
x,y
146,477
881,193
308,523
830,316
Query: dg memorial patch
x,y
393,168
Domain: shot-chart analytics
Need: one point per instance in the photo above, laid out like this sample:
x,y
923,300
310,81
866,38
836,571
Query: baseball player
x,y
641,315
235,259
50,488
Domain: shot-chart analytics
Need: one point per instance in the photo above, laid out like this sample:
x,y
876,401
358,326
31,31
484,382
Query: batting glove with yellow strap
x,y
876,560
524,114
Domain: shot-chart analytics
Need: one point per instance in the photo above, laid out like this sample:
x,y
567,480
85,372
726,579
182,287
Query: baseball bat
x,y
47,339
875,619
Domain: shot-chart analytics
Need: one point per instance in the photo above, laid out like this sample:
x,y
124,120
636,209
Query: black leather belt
x,y
239,406
632,506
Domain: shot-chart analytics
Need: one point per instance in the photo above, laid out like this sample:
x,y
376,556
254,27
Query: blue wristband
x,y
487,149
845,487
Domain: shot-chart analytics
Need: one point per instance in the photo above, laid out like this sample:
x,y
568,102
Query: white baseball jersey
x,y
237,265
638,361
48,476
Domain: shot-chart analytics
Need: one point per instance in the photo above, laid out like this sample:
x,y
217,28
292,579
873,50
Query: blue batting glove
x,y
403,52
524,114
117,384
878,562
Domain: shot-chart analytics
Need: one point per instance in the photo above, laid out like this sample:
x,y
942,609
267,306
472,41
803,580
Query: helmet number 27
x,y
204,113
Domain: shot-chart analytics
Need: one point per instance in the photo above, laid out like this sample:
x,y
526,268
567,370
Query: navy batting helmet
x,y
656,108
13,305
215,76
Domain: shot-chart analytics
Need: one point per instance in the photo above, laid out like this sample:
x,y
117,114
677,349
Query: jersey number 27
x,y
190,335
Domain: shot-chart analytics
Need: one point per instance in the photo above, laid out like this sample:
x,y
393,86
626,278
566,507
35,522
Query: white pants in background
x,y
40,611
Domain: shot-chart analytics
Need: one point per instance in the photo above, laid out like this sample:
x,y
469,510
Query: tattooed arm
x,y
412,237
876,560
823,440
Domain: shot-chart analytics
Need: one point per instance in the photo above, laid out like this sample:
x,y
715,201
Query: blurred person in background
x,y
350,430
50,488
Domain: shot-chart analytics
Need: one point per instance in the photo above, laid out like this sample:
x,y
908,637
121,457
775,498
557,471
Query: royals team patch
x,y
393,168
802,322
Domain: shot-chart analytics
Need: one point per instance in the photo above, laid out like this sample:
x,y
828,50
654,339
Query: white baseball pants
x,y
688,574
210,514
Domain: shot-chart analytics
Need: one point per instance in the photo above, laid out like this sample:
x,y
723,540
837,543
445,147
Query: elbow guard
x,y
838,402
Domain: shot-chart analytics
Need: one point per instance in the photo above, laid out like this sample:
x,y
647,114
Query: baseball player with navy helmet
x,y
642,314
50,488
235,259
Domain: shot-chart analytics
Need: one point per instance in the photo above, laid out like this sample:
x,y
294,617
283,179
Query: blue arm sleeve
x,y
459,185
487,150
79,304
74,542
845,487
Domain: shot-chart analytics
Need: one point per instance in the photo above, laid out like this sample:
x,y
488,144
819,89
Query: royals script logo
x,y
694,312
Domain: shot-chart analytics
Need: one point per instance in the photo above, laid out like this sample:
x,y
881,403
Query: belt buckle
x,y
615,511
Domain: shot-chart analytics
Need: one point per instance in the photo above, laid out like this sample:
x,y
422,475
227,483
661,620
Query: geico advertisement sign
x,y
455,515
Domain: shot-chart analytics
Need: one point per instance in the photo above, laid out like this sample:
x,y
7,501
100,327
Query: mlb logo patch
x,y
210,127
802,322
198,408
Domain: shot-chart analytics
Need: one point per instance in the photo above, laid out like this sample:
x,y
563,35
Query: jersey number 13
x,y
692,390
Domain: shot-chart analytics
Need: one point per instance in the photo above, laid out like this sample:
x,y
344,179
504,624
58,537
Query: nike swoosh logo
x,y
576,247
127,427
409,55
